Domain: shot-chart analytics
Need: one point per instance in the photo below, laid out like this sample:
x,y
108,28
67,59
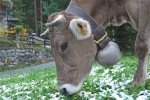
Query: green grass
x,y
6,40
101,84
7,68
35,82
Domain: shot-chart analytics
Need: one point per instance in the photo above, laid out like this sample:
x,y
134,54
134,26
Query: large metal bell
x,y
109,56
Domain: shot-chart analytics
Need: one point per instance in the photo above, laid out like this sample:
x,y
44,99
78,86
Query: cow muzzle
x,y
68,89
64,92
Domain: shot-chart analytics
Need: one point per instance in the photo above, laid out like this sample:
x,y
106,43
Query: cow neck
x,y
99,35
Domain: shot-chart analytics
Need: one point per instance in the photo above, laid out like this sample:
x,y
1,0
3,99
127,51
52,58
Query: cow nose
x,y
64,92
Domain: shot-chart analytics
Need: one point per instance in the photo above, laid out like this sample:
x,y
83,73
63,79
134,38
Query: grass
x,y
102,84
7,68
3,39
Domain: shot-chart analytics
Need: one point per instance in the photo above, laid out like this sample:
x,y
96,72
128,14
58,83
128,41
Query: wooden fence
x,y
30,40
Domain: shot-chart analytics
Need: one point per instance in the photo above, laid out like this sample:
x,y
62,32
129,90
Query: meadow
x,y
111,83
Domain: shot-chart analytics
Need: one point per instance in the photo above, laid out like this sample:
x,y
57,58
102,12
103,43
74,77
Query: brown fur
x,y
135,12
70,63
75,63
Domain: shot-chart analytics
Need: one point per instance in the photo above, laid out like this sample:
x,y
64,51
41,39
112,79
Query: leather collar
x,y
83,14
99,34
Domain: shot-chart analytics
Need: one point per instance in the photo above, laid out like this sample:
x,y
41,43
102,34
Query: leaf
x,y
19,27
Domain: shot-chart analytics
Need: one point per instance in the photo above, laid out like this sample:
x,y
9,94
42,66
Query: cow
x,y
73,44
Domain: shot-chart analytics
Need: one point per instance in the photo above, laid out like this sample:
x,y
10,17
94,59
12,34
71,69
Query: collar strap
x,y
101,39
98,33
83,14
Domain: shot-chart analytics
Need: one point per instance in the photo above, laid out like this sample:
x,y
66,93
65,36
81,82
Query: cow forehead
x,y
61,35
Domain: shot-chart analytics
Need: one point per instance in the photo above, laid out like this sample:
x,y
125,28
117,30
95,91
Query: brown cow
x,y
74,48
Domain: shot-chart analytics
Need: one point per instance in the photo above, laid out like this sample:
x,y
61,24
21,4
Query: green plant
x,y
124,36
54,6
101,84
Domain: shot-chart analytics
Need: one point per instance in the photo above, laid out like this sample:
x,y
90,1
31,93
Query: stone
x,y
24,56
10,66
1,64
51,58
15,63
10,59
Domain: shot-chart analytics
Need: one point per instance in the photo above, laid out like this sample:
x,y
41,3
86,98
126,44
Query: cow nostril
x,y
63,91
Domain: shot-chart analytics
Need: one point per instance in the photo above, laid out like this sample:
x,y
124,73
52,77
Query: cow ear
x,y
80,28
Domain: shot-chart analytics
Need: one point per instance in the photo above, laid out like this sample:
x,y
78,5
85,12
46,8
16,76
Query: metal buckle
x,y
101,39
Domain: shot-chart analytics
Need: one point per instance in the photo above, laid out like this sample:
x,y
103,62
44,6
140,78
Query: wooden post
x,y
33,39
7,14
17,39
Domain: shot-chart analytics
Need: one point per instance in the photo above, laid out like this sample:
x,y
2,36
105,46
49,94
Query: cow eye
x,y
64,46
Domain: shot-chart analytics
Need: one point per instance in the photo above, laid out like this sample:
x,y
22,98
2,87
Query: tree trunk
x,y
35,11
41,17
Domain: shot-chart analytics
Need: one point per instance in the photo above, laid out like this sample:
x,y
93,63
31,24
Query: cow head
x,y
73,48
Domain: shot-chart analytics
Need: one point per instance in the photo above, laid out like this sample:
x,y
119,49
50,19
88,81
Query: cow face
x,y
73,48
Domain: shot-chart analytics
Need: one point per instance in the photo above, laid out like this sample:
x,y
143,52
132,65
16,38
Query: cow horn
x,y
56,22
53,24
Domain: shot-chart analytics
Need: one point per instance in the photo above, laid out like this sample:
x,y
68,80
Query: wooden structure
x,y
5,7
3,10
